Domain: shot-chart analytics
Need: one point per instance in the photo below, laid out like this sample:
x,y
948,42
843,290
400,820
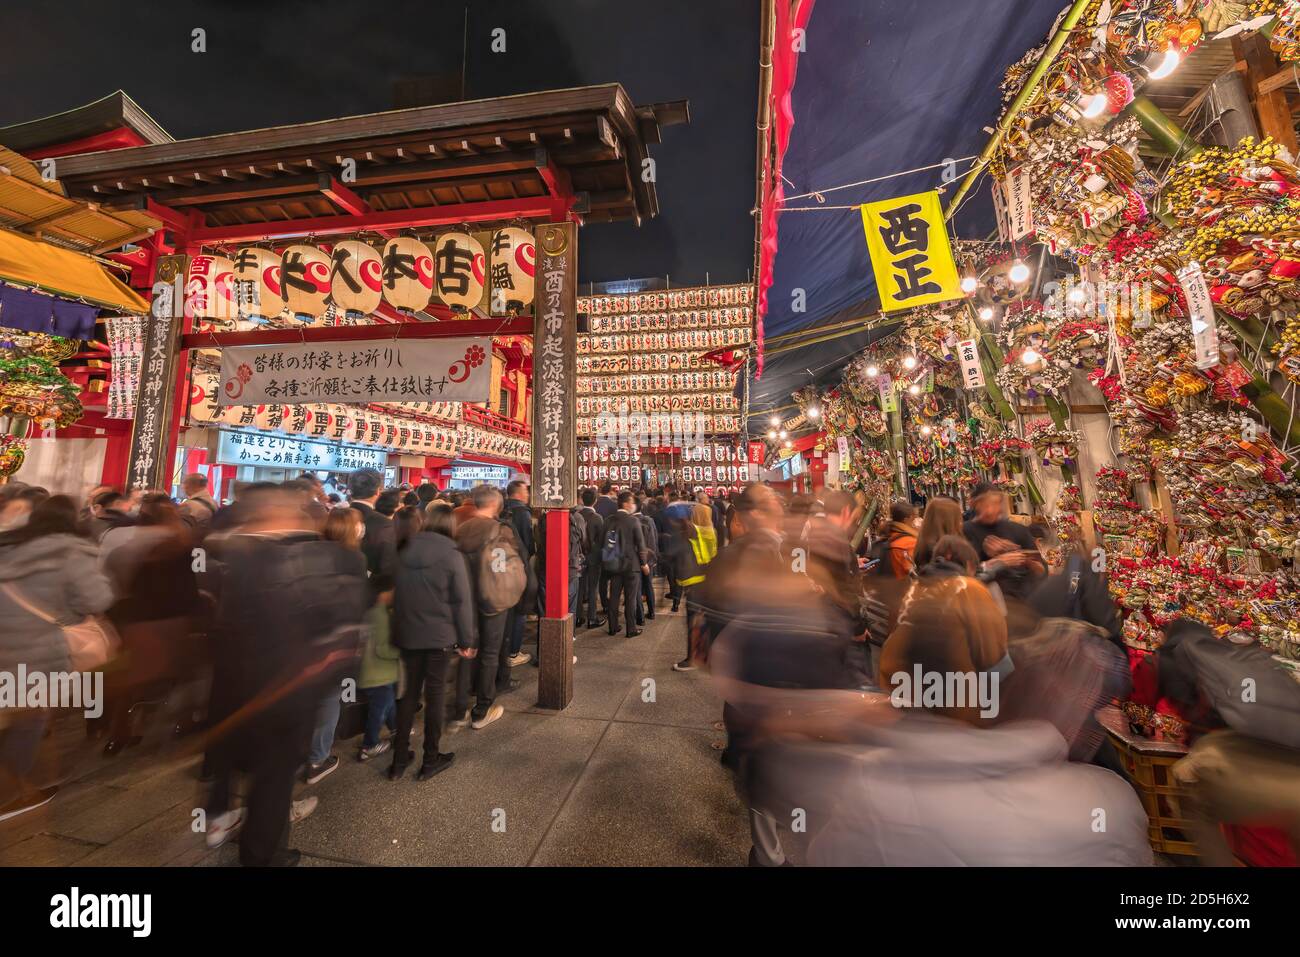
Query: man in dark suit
x,y
589,588
633,562
379,544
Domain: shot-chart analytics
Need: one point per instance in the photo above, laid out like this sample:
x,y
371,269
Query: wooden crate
x,y
1149,766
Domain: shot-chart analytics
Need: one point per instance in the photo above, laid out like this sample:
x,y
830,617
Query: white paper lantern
x,y
259,293
511,276
407,273
210,291
459,268
341,423
356,277
305,275
203,397
297,419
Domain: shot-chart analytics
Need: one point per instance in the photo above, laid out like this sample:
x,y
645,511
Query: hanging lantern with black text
x,y
407,274
511,276
210,292
305,275
258,292
356,283
459,267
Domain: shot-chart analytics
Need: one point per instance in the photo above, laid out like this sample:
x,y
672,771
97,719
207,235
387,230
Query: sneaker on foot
x,y
493,713
224,827
684,665
315,772
301,809
459,724
365,754
521,658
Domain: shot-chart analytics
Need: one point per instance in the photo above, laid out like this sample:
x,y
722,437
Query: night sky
x,y
274,63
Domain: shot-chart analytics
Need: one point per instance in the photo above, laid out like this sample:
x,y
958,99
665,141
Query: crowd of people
x,y
923,693
273,625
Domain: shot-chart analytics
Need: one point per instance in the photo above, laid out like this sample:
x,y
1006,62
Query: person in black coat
x,y
433,623
651,533
634,561
379,544
589,586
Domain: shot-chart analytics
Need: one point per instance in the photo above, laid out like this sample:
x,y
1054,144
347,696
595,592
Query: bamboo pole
x,y
1024,97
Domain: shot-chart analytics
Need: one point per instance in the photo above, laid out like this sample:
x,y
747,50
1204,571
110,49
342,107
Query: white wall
x,y
64,466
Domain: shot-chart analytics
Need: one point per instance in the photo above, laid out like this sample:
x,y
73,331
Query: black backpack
x,y
611,554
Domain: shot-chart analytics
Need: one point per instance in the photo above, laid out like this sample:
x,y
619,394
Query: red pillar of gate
x,y
557,562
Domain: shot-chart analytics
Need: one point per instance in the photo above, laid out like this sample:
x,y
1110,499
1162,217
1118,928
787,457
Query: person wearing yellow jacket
x,y
696,548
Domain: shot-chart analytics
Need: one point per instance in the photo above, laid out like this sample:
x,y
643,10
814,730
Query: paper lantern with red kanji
x,y
210,291
258,292
406,273
512,267
459,270
305,275
356,277
203,397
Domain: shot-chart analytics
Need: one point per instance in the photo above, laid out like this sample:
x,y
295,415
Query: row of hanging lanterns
x,y
259,284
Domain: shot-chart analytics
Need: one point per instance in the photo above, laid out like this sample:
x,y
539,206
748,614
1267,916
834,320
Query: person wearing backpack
x,y
624,558
594,540
1242,712
520,517
498,578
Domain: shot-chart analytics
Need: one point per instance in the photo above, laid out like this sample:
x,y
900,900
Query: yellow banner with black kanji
x,y
909,249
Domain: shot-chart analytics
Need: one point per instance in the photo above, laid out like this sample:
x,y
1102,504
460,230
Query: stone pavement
x,y
614,779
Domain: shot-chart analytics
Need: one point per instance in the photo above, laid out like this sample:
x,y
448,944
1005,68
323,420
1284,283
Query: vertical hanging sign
x,y
971,373
555,365
846,460
888,401
1020,211
146,465
1205,335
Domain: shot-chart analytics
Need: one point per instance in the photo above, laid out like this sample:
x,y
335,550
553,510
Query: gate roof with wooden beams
x,y
511,157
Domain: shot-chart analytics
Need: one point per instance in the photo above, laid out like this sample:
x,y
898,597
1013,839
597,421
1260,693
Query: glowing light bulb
x,y
774,420
771,434
986,313
787,444
873,371
784,433
1168,63
1019,272
969,284
813,412
1029,357
926,430
913,389
909,362
1095,105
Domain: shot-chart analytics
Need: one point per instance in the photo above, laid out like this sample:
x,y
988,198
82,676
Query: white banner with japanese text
x,y
415,370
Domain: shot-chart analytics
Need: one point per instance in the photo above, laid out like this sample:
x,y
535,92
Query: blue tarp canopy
x,y
883,86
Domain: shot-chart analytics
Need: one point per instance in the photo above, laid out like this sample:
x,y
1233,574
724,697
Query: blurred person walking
x,y
198,508
1007,549
433,623
378,674
287,629
49,578
157,606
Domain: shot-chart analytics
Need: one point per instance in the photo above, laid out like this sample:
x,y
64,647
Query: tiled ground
x,y
626,775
